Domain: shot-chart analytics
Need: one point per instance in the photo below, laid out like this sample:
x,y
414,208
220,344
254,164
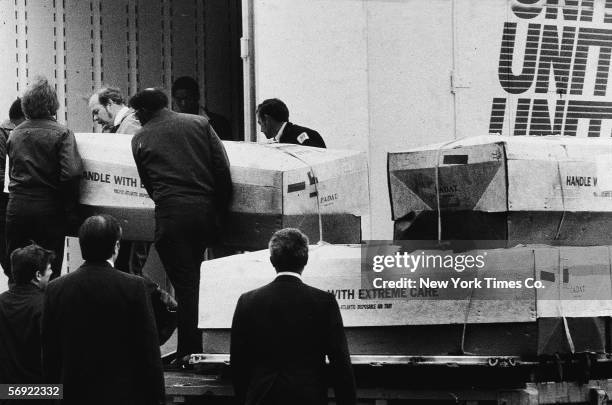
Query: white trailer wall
x,y
388,75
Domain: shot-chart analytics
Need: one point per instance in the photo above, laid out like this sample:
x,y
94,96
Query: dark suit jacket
x,y
220,124
280,335
301,136
99,338
20,312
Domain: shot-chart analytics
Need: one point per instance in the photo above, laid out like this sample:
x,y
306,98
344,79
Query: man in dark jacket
x,y
282,332
45,169
184,168
20,312
273,118
186,100
98,332
16,117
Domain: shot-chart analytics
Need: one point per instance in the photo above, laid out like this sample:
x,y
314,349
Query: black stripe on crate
x,y
455,159
547,276
296,187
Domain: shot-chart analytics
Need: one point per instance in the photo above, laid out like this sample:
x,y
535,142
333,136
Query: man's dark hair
x,y
274,108
186,83
40,99
15,112
97,237
108,94
149,99
25,262
289,250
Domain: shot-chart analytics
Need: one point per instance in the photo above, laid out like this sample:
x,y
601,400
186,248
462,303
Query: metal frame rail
x,y
381,360
181,387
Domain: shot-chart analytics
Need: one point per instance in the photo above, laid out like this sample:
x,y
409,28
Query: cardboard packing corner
x,y
275,185
526,189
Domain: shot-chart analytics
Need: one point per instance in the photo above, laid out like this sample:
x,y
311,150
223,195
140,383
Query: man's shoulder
x,y
273,287
129,124
194,119
46,126
85,272
300,135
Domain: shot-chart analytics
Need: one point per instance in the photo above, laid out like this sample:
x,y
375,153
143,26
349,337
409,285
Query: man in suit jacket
x,y
282,332
273,118
20,312
98,330
183,166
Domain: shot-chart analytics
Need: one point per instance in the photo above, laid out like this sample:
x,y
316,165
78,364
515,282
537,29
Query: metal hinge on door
x,y
458,82
244,48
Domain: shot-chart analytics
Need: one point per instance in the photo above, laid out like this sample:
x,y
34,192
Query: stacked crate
x,y
521,190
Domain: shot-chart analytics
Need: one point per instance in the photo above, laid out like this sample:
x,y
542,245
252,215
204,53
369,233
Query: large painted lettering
x,y
549,50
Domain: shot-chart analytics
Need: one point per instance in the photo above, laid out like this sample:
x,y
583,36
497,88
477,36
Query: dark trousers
x,y
3,254
40,222
182,233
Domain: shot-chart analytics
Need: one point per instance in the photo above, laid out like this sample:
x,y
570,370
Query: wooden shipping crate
x,y
275,185
576,281
503,174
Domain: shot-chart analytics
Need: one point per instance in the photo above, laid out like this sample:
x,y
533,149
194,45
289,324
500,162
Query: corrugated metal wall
x,y
133,44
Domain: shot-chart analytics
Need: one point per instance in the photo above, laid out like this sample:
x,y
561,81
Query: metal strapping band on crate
x,y
568,334
315,181
439,212
437,182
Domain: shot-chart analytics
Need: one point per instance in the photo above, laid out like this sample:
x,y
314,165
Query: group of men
x,y
98,333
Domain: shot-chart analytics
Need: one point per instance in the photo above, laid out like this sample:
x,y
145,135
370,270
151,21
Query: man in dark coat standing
x,y
273,119
282,332
20,312
98,331
183,166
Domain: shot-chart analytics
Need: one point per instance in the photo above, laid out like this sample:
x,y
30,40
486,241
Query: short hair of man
x,y
275,108
186,83
289,250
26,261
98,236
108,94
15,112
39,99
151,99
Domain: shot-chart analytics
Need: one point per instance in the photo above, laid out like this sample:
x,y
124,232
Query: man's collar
x,y
288,273
161,115
121,114
110,261
280,132
24,287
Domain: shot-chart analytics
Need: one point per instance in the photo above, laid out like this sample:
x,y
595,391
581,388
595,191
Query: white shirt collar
x,y
125,110
288,273
280,132
110,261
